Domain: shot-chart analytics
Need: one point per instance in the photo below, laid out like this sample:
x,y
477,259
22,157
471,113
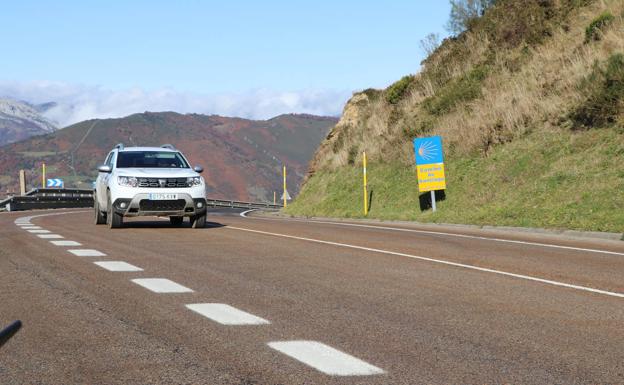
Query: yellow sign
x,y
431,177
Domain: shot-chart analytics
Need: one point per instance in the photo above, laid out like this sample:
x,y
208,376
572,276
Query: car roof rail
x,y
169,146
119,146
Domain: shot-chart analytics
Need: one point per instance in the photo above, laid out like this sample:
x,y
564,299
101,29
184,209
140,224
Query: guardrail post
x,y
22,182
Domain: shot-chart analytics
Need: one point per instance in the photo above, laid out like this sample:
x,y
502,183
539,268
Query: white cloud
x,y
79,102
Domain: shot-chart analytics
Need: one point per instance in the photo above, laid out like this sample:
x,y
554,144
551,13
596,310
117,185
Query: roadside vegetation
x,y
529,99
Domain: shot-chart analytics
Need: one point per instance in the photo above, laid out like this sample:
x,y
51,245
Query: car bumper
x,y
142,205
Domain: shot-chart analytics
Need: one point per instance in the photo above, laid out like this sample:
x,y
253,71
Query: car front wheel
x,y
100,216
198,221
113,219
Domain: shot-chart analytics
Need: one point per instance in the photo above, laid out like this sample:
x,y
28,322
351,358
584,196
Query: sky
x,y
252,59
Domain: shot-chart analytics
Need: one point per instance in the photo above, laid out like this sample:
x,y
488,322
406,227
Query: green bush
x,y
464,89
605,87
397,91
596,27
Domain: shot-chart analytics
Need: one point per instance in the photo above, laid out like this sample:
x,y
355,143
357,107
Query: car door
x,y
101,183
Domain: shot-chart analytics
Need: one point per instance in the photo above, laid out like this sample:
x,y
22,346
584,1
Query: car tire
x,y
100,217
113,219
198,221
176,221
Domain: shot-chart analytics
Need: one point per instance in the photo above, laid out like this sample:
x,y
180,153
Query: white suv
x,y
156,181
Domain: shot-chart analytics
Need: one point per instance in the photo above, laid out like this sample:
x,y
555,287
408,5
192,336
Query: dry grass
x,y
535,93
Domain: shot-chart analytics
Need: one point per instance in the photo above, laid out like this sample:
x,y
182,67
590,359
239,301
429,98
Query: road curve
x,y
280,301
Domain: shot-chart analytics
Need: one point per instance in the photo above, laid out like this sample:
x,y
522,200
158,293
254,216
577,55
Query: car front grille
x,y
163,182
162,205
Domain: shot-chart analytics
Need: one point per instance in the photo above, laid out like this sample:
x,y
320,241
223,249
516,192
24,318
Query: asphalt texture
x,y
453,306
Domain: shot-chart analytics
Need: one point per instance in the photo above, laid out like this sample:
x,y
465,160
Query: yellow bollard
x,y
285,201
43,184
365,183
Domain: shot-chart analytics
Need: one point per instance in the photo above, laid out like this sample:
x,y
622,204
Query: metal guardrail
x,y
241,205
49,198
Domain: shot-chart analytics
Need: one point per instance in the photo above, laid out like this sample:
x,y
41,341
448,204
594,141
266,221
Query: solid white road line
x,y
66,243
161,285
50,236
448,263
39,231
442,233
87,253
117,266
226,314
325,358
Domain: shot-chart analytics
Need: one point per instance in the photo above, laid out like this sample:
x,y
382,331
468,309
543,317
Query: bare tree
x,y
430,43
465,12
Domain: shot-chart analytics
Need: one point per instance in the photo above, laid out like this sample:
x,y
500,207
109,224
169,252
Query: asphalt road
x,y
281,301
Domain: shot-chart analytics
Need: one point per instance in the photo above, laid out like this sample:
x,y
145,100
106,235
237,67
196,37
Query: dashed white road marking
x,y
226,314
440,233
161,285
117,266
40,231
87,253
325,358
443,262
50,236
66,243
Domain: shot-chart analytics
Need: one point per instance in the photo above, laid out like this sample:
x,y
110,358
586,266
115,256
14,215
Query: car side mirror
x,y
198,169
105,168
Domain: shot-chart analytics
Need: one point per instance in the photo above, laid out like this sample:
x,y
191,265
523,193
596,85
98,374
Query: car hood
x,y
157,172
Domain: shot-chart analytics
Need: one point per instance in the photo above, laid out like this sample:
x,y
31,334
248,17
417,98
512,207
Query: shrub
x,y
465,12
466,88
605,87
595,29
397,91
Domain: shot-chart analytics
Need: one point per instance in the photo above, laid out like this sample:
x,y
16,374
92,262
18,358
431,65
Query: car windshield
x,y
150,159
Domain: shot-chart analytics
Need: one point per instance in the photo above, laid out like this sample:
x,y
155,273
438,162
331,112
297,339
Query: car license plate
x,y
163,197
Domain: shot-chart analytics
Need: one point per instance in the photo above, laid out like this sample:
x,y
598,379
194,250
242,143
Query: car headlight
x,y
194,181
128,181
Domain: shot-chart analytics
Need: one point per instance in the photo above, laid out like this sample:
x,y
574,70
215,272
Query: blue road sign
x,y
55,183
430,164
428,150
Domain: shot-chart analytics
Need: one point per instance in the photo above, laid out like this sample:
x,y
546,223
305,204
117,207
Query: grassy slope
x,y
546,179
515,154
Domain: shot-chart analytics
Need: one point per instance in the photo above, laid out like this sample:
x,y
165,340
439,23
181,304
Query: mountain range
x,y
242,158
20,120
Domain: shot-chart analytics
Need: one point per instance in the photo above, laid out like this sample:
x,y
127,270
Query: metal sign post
x,y
430,166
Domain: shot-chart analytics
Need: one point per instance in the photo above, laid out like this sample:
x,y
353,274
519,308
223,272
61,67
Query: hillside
x,y
242,158
20,120
530,104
